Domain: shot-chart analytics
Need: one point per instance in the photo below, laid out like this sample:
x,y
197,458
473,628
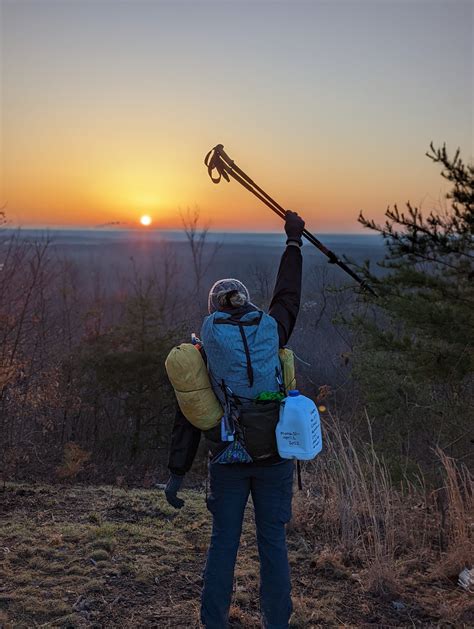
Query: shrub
x,y
74,458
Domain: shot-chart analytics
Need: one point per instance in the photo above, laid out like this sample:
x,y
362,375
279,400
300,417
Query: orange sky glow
x,y
107,115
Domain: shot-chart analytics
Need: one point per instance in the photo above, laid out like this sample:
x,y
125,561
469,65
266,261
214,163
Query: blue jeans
x,y
271,489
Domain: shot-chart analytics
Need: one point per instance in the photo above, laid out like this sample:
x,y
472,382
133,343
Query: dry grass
x,y
60,567
455,500
402,539
361,552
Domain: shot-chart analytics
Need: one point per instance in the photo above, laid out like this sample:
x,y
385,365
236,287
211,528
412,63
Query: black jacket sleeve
x,y
184,444
285,303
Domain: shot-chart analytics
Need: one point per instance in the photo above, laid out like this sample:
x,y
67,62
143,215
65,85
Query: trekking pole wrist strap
x,y
295,242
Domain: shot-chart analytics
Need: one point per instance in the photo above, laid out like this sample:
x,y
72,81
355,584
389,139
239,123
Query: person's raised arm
x,y
285,303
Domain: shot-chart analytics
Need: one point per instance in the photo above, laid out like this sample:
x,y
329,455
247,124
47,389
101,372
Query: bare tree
x,y
202,256
263,276
166,276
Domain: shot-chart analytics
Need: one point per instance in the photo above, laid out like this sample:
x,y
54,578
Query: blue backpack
x,y
242,354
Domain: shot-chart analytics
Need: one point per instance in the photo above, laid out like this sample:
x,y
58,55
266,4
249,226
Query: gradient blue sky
x,y
108,107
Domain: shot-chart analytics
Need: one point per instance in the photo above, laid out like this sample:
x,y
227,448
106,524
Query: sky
x,y
108,108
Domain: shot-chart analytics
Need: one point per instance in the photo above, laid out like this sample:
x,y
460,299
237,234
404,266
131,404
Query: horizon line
x,y
142,230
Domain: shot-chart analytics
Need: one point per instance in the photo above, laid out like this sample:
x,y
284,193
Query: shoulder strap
x,y
247,355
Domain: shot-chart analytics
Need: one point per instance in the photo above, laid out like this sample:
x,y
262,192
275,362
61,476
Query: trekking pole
x,y
218,160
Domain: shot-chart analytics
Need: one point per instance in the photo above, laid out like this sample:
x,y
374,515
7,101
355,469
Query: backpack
x,y
243,362
242,354
187,372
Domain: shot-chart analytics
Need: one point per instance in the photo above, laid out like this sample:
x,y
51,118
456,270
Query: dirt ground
x,y
73,556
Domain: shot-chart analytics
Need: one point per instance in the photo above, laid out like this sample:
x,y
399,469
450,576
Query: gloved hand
x,y
172,487
294,226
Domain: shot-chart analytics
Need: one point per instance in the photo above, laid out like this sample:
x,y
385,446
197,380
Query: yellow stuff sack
x,y
287,360
188,375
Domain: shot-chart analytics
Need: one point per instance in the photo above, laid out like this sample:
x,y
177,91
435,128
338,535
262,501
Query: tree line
x,y
82,374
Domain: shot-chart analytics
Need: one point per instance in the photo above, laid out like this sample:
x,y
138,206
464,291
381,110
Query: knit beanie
x,y
227,293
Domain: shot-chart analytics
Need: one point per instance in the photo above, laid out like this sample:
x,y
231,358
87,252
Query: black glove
x,y
172,487
294,226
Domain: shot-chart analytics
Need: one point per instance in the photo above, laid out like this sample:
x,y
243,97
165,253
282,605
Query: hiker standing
x,y
241,345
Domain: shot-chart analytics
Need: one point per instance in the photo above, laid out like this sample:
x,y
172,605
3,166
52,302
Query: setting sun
x,y
145,220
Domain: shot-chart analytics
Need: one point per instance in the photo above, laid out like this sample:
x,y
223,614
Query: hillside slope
x,y
112,557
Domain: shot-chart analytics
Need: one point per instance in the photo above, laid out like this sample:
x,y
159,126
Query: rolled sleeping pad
x,y
189,378
287,360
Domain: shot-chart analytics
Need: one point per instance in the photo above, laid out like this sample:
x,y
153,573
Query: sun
x,y
145,220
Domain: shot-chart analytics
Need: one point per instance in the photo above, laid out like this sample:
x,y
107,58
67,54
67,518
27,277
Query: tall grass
x,y
351,505
455,501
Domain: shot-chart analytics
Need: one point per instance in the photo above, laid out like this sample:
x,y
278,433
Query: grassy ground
x,y
112,557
